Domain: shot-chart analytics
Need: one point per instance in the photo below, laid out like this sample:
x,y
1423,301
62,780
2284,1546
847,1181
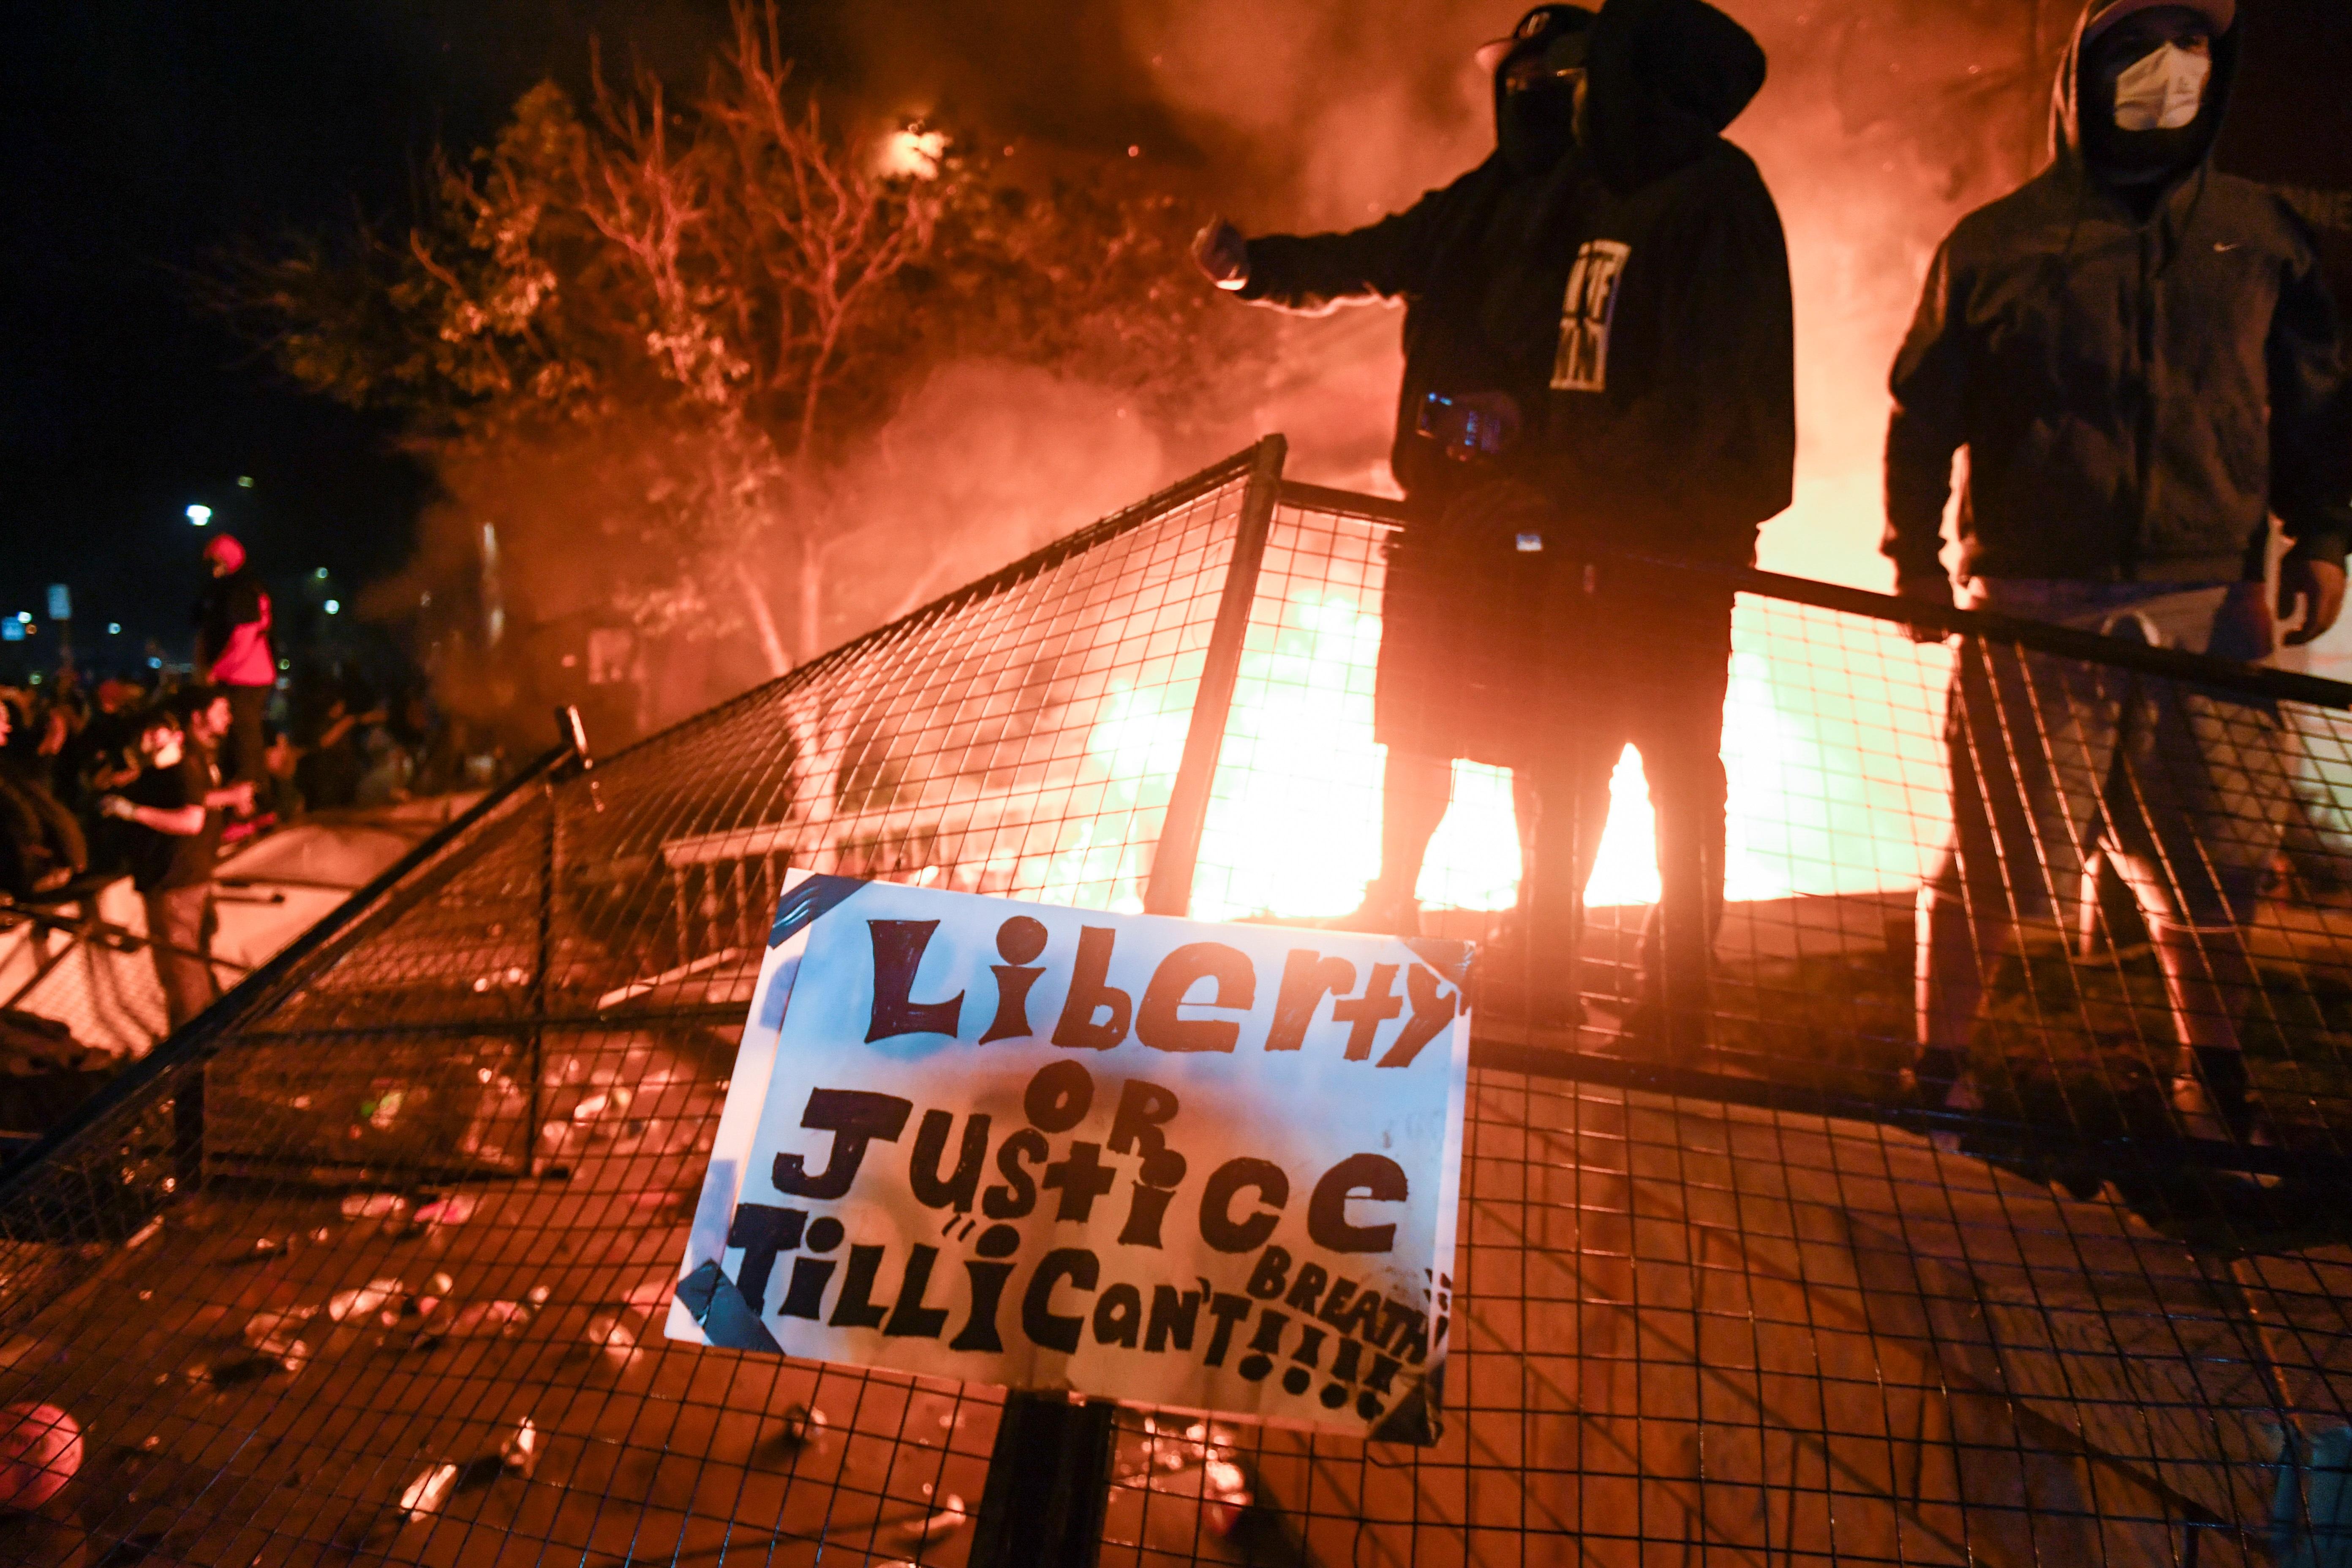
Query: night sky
x,y
141,135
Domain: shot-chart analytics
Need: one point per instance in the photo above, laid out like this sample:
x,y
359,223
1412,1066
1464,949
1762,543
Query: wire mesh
x,y
372,1261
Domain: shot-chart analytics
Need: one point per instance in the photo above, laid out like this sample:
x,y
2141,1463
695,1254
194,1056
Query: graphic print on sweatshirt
x,y
1582,364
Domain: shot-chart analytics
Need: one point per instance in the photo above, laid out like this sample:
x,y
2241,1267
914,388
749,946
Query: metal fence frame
x,y
1048,1483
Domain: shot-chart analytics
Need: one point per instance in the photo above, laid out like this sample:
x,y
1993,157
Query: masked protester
x,y
172,812
1597,358
234,653
2143,362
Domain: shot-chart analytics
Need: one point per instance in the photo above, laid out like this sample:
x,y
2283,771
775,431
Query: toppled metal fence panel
x,y
370,1261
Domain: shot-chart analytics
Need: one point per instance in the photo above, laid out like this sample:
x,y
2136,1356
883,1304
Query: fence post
x,y
1049,1473
1048,1484
1177,856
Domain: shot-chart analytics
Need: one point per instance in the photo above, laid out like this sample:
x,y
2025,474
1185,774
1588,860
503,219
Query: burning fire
x,y
1829,739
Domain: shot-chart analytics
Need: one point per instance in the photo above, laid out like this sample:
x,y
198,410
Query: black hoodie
x,y
2137,395
1660,392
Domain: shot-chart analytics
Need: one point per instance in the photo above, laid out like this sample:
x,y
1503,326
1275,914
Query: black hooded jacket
x,y
2136,396
1634,298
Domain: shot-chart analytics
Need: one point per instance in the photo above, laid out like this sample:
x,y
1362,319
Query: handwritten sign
x,y
1206,1167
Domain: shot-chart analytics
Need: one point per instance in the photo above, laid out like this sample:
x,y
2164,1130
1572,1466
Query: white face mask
x,y
2162,91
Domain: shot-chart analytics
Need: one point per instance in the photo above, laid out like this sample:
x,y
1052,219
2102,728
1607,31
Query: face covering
x,y
1535,105
2163,90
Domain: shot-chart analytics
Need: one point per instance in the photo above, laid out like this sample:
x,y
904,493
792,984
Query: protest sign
x,y
1152,1160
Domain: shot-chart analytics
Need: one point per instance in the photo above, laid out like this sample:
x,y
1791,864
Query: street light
x,y
199,513
114,628
334,607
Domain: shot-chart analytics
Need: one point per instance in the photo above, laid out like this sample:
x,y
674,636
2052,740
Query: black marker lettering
x,y
1375,1176
987,1289
854,1117
910,1319
1227,1310
1306,978
1046,1327
1159,1023
1018,940
1118,1316
1172,1317
930,1143
1089,993
1019,1194
1218,1227
856,1308
761,1230
897,952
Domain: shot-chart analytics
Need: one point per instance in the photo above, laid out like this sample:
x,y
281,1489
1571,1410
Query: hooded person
x,y
2141,359
1597,358
236,653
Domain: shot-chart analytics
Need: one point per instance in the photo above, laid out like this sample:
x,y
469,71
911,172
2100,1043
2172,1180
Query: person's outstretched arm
x,y
1314,273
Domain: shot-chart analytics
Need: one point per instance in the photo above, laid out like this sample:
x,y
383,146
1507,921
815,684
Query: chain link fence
x,y
369,1263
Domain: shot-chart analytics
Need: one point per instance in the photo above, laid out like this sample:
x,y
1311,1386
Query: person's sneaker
x,y
2222,1118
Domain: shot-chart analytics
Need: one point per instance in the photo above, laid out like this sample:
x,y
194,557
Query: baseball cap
x,y
1534,28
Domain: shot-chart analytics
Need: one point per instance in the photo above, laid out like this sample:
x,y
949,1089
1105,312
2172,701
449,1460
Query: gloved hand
x,y
114,805
1926,590
1221,253
2318,585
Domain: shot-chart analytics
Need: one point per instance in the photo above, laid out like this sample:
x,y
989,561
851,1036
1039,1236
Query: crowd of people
x,y
113,778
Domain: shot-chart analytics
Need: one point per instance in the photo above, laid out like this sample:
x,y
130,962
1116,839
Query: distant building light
x,y
24,618
199,513
321,574
36,678
114,628
284,664
334,607
154,663
12,631
245,481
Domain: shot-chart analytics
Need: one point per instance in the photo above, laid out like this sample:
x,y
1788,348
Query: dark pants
x,y
180,927
1640,662
244,762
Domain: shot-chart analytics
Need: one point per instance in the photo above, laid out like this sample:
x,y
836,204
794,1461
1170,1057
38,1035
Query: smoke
x,y
986,463
1880,123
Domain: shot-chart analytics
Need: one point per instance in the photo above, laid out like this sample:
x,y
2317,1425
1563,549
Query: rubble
x,y
520,1453
358,1302
426,1495
949,1517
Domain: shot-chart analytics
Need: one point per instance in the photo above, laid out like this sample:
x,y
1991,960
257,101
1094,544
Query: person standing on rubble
x,y
1599,357
236,653
2140,356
